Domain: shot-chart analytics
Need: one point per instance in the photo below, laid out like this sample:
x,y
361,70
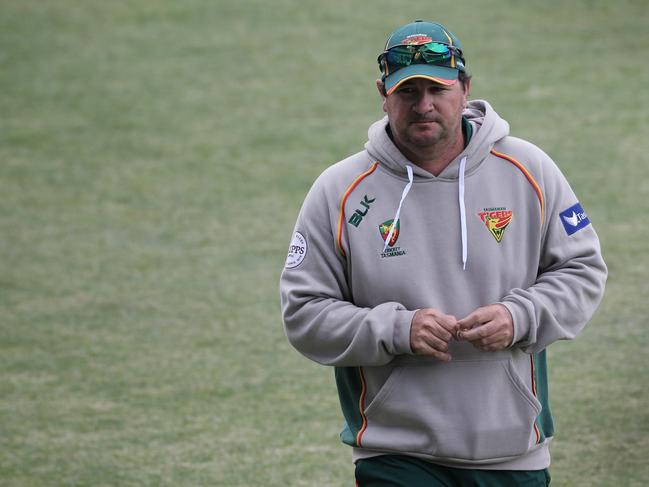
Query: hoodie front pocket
x,y
468,410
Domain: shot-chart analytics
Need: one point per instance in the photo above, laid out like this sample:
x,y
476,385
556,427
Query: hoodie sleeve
x,y
571,275
320,319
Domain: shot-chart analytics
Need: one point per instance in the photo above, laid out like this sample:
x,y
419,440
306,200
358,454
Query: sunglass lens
x,y
436,47
434,52
398,57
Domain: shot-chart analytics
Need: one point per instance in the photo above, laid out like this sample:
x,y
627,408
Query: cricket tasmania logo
x,y
384,228
390,250
496,220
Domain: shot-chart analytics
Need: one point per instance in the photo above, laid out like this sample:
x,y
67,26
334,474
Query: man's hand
x,y
488,328
430,332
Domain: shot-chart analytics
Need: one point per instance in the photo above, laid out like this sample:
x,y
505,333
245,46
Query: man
x,y
432,269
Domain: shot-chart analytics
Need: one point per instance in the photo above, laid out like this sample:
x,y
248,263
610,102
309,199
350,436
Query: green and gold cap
x,y
421,50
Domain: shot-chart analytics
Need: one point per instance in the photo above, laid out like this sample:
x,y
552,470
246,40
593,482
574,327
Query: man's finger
x,y
490,336
436,342
424,348
443,333
443,356
449,323
473,334
478,333
470,321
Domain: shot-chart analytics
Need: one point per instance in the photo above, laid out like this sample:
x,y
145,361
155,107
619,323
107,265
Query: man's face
x,y
424,116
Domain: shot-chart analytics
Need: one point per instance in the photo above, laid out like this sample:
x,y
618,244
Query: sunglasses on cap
x,y
431,53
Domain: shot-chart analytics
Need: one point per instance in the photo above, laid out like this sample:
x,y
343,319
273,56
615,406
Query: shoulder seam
x,y
341,207
521,167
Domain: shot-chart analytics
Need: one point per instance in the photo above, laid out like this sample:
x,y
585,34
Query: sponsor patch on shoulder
x,y
574,219
296,251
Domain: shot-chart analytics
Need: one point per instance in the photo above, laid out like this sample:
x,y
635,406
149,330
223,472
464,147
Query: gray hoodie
x,y
500,224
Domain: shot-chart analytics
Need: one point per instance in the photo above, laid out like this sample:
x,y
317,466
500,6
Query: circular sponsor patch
x,y
296,251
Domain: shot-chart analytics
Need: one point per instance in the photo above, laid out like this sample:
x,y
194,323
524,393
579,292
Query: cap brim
x,y
438,74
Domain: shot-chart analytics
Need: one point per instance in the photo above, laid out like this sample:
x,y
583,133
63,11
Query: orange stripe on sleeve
x,y
536,428
341,209
533,375
529,177
361,407
538,433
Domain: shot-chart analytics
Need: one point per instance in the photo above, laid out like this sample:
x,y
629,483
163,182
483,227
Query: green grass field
x,y
153,158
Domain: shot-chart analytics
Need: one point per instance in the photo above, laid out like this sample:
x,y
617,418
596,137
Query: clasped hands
x,y
489,328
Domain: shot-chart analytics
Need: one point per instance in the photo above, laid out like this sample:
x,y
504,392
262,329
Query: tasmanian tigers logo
x,y
496,220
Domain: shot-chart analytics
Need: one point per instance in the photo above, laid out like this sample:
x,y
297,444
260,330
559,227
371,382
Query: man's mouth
x,y
423,122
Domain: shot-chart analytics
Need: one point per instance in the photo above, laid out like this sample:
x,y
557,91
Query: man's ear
x,y
381,87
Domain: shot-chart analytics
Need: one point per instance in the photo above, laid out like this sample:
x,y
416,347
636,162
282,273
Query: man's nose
x,y
424,103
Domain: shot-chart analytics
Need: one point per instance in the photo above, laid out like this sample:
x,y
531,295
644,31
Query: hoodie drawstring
x,y
462,211
405,192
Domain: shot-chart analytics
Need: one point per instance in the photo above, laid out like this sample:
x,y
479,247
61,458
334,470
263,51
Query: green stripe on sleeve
x,y
544,420
350,387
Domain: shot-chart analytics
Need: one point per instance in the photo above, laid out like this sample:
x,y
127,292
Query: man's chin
x,y
425,139
425,131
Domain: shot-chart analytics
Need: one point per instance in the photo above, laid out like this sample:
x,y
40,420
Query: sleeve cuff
x,y
521,322
402,332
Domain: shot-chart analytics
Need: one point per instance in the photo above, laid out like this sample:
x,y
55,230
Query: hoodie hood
x,y
488,128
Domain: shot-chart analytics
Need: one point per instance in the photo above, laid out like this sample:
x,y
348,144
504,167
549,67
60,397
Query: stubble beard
x,y
422,148
430,143
424,141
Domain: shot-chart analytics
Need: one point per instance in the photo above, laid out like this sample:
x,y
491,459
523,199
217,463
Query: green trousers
x,y
404,471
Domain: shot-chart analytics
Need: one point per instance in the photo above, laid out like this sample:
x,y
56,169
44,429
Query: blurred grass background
x,y
153,157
